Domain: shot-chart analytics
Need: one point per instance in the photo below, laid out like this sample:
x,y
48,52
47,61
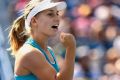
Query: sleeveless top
x,y
31,76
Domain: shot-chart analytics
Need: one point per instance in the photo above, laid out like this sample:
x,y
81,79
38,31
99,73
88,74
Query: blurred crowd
x,y
96,27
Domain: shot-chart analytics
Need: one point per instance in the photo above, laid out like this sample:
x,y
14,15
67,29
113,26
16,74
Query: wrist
x,y
71,47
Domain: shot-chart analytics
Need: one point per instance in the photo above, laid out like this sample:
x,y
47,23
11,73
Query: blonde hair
x,y
17,34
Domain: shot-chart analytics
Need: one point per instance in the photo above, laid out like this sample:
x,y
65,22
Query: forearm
x,y
66,72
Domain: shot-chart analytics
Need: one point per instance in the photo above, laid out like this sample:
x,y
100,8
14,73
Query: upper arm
x,y
36,63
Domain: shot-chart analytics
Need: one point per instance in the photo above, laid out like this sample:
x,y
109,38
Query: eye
x,y
51,14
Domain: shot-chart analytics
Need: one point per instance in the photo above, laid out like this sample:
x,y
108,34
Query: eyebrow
x,y
52,11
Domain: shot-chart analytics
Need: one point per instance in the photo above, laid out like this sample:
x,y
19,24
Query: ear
x,y
33,21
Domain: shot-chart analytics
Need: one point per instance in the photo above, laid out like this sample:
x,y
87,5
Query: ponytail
x,y
17,35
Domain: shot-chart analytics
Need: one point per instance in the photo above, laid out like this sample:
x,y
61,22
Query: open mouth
x,y
55,27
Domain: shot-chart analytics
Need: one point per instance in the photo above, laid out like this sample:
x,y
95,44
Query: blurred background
x,y
96,27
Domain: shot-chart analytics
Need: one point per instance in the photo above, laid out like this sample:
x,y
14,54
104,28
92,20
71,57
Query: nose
x,y
57,19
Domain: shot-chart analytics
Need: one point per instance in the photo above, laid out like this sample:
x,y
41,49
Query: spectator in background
x,y
16,9
4,18
4,15
95,25
6,71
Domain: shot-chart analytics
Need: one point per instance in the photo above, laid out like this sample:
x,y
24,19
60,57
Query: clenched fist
x,y
68,40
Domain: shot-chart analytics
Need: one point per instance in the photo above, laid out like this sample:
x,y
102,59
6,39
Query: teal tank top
x,y
31,76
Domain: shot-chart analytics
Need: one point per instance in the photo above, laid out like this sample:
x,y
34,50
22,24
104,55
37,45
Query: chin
x,y
53,34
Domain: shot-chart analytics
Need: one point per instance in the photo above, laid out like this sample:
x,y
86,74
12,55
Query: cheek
x,y
44,22
42,26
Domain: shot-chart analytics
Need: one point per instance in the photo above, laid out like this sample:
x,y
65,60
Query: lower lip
x,y
54,29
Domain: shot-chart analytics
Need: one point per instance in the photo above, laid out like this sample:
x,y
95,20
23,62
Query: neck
x,y
42,41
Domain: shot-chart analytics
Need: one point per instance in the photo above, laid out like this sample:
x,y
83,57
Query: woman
x,y
34,59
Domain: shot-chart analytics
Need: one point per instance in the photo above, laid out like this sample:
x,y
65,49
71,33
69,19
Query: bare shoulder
x,y
28,52
28,56
34,61
25,57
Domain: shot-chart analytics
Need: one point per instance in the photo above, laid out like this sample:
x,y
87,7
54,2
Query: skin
x,y
29,59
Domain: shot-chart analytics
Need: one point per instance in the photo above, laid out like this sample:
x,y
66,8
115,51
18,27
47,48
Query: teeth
x,y
56,25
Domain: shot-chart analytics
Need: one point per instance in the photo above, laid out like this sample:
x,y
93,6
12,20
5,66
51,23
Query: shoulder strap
x,y
33,43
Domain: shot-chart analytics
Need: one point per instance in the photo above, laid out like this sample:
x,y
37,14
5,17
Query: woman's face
x,y
46,22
